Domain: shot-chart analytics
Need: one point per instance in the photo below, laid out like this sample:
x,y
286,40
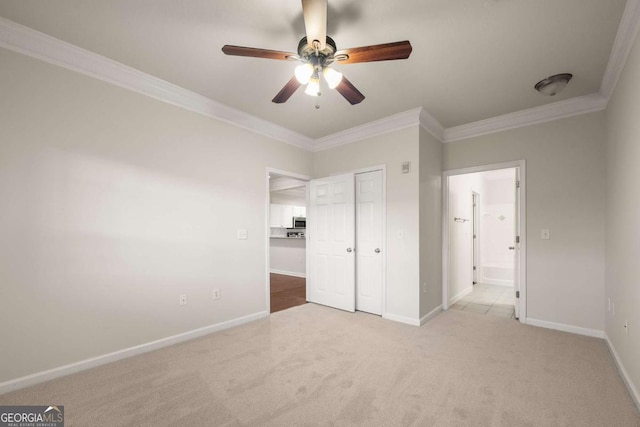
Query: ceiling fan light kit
x,y
332,77
317,56
313,87
553,84
303,73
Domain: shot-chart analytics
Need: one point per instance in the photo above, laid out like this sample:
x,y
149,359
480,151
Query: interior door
x,y
331,242
516,246
475,200
369,242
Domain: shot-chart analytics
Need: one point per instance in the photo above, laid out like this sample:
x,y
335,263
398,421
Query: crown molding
x,y
626,36
378,127
545,113
431,125
30,42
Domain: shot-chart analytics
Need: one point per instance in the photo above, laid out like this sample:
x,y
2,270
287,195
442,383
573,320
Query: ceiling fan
x,y
317,52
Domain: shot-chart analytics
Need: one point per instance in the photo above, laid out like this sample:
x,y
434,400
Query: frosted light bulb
x,y
332,77
313,88
303,73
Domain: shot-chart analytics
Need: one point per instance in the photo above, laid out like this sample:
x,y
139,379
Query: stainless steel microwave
x,y
299,222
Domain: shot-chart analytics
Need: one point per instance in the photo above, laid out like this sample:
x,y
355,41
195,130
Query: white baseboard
x,y
83,365
460,295
566,328
433,313
401,319
288,273
633,390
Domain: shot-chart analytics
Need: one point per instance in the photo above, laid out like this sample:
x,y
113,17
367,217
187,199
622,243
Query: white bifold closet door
x,y
344,242
369,242
331,242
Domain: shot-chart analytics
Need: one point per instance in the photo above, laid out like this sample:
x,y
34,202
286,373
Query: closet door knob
x,y
377,250
349,250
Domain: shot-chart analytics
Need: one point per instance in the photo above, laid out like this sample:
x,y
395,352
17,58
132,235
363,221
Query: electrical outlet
x,y
609,304
626,327
216,294
183,299
424,287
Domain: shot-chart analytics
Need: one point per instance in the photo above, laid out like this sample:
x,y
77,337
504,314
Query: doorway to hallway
x,y
483,240
286,243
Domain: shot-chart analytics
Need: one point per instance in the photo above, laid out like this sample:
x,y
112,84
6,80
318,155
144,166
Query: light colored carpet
x,y
315,366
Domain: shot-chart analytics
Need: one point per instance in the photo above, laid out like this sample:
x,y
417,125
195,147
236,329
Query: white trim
x,y
633,390
544,113
431,125
460,295
596,333
445,241
430,315
626,36
401,319
27,41
93,362
378,127
288,273
521,164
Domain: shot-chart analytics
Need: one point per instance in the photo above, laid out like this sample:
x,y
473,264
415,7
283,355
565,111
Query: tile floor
x,y
488,299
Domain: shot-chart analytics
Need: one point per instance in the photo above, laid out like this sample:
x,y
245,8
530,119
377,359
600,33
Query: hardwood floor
x,y
287,291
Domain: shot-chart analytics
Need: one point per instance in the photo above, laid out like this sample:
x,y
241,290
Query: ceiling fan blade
x,y
286,92
257,53
378,52
349,91
315,21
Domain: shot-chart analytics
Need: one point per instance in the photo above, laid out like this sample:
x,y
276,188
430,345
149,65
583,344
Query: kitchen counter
x,y
287,238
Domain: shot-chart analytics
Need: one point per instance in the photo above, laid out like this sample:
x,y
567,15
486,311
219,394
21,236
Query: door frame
x,y
522,251
267,225
475,236
382,168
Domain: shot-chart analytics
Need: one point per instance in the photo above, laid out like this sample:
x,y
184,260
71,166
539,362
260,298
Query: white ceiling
x,y
471,60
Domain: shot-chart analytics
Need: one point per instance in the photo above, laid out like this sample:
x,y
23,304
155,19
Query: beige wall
x,y
623,213
430,223
113,204
403,263
565,193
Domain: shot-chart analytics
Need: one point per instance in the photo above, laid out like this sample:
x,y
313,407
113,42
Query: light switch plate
x,y
242,234
406,167
545,234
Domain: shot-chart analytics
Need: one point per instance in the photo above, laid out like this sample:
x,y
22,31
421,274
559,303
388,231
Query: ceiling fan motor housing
x,y
318,58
